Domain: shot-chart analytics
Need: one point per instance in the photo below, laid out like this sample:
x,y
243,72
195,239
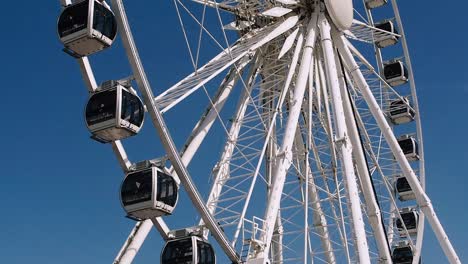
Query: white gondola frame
x,y
409,230
399,117
402,78
87,37
388,39
406,195
414,154
194,240
117,127
371,4
152,208
403,244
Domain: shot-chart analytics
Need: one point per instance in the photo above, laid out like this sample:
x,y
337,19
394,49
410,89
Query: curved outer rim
x,y
422,175
417,118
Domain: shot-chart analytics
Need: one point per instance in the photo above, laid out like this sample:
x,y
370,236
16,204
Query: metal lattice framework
x,y
310,158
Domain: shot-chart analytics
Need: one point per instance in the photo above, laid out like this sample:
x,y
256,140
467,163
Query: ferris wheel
x,y
322,155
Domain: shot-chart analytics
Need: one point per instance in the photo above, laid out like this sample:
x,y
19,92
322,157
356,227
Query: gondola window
x,y
101,107
73,19
132,109
178,252
137,188
104,21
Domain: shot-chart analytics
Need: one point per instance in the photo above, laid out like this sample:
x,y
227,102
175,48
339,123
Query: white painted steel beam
x,y
133,243
319,220
422,199
221,62
343,142
271,130
285,154
163,132
214,4
222,168
138,235
308,175
87,74
373,209
326,124
206,122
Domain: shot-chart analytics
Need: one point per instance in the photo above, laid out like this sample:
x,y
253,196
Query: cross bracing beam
x,y
255,123
214,4
363,32
373,209
159,123
221,62
319,219
284,161
328,148
201,129
221,170
381,160
345,147
423,200
199,133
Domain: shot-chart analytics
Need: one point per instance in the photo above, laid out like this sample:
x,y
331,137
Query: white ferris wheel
x,y
322,159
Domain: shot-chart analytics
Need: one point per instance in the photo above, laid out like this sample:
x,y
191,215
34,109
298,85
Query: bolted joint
x,y
342,140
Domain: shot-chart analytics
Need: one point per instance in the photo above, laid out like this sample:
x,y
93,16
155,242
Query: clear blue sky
x,y
59,196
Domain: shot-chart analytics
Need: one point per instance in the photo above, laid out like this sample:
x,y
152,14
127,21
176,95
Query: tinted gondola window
x,y
392,70
407,146
137,188
104,21
385,26
398,107
205,253
402,255
73,19
101,107
409,220
178,252
132,109
167,189
402,185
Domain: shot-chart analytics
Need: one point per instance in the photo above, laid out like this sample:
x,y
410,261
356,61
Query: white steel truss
x,y
309,143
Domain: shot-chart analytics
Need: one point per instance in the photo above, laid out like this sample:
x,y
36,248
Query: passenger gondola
x,y
188,250
403,254
410,219
87,27
396,73
114,112
409,146
403,190
371,4
401,112
387,39
148,192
